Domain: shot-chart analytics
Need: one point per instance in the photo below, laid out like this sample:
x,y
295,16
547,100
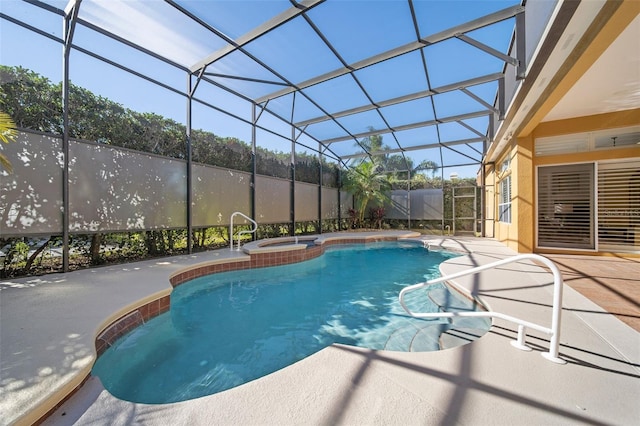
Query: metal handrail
x,y
240,233
554,331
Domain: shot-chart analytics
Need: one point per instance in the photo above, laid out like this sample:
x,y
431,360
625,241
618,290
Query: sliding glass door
x,y
619,206
566,206
592,206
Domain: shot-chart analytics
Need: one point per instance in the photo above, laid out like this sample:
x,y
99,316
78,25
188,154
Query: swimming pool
x,y
229,328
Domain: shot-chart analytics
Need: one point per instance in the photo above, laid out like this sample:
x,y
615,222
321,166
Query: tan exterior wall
x,y
520,234
507,232
525,195
590,123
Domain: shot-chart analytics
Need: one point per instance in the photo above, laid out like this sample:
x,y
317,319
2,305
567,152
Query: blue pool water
x,y
226,329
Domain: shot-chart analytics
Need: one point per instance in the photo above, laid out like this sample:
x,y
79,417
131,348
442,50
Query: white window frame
x,y
504,203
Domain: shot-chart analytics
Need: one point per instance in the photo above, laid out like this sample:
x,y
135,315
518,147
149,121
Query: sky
x,y
356,29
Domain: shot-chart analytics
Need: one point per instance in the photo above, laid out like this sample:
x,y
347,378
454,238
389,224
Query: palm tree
x,y
367,184
8,133
373,146
373,143
427,165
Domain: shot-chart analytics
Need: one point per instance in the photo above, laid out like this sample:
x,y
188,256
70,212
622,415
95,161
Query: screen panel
x,y
273,200
306,202
399,208
218,193
31,196
346,203
119,190
330,203
420,204
426,204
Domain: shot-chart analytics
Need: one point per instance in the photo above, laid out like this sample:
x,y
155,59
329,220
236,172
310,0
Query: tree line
x,y
34,102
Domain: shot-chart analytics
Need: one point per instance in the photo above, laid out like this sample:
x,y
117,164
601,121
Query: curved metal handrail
x,y
240,233
554,331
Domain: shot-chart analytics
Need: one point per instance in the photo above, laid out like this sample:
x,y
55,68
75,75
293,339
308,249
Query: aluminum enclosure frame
x,y
198,73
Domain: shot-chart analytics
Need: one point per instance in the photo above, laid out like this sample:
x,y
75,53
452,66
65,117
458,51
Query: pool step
x,y
432,337
459,336
446,301
438,334
416,338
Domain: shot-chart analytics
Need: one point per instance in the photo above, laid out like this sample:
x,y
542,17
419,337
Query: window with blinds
x,y
504,206
619,205
590,141
504,202
566,207
562,144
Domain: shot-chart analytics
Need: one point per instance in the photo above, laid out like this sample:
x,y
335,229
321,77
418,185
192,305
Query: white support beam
x,y
414,148
406,98
466,116
475,24
479,99
243,40
488,49
70,6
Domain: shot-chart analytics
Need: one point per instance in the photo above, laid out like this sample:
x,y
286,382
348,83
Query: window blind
x,y
504,206
619,205
565,206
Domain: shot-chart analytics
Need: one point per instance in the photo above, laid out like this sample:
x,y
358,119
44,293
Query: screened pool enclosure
x,y
269,104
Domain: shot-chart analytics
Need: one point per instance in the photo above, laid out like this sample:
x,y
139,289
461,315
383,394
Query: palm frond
x,y
8,133
6,164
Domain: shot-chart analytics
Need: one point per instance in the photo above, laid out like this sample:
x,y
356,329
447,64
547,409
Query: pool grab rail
x,y
554,331
240,233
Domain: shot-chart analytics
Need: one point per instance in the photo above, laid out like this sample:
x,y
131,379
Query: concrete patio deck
x,y
48,326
